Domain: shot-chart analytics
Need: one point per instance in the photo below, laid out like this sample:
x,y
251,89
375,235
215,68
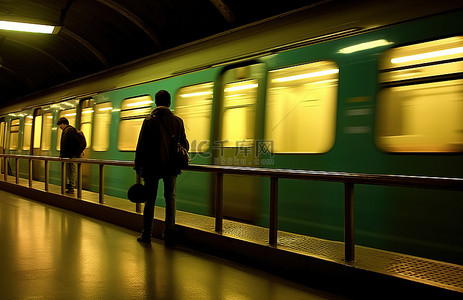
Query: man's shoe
x,y
70,191
144,239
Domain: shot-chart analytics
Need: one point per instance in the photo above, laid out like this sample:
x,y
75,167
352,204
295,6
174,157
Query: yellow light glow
x,y
306,75
105,108
196,94
140,103
365,46
427,55
241,87
87,111
69,115
27,27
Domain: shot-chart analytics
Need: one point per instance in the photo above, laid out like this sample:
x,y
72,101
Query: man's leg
x,y
148,212
71,175
169,195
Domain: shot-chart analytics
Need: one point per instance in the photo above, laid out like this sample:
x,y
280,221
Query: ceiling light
x,y
196,94
427,55
306,75
241,87
28,27
140,103
365,46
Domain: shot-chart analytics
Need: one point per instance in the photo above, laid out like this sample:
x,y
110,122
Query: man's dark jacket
x,y
156,148
69,143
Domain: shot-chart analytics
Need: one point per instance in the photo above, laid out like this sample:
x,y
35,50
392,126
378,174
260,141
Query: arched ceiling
x,y
100,34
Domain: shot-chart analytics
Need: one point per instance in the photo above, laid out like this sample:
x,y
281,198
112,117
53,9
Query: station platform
x,y
57,246
51,253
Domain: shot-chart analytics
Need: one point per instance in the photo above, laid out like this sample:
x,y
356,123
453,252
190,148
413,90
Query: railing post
x,y
79,180
16,164
349,243
63,177
5,169
47,173
138,205
101,185
219,202
273,230
30,173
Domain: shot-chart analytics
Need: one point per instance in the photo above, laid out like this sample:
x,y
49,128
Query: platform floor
x,y
393,265
51,253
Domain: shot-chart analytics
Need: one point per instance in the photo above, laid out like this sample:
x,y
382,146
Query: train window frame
x,y
47,127
196,99
102,136
131,119
322,77
2,133
239,107
14,134
27,132
413,78
86,119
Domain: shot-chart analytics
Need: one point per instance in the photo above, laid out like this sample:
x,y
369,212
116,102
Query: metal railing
x,y
348,179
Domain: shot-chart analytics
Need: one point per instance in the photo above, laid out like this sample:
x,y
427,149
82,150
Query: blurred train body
x,y
375,88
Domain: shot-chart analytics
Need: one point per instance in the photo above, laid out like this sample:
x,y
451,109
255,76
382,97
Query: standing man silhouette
x,y
69,148
155,160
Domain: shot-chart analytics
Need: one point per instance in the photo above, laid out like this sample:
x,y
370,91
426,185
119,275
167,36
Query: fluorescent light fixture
x,y
27,27
105,108
241,87
196,94
365,46
306,75
88,111
70,115
427,55
140,103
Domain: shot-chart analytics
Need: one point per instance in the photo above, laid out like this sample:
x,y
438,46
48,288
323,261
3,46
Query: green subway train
x,y
373,88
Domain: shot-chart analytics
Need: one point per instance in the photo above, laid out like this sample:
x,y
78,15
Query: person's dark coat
x,y
154,155
69,143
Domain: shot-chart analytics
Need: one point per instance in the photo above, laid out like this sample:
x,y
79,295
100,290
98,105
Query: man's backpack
x,y
81,142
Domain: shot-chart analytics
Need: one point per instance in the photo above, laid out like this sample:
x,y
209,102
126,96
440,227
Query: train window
x,y
2,134
420,106
102,125
239,113
194,105
86,120
301,108
47,124
14,134
37,131
133,112
27,132
69,114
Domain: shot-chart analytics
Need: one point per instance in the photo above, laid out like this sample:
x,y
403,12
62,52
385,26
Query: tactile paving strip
x,y
436,273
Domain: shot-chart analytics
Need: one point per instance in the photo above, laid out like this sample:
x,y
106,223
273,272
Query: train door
x,y
2,141
86,118
238,134
37,138
27,134
43,123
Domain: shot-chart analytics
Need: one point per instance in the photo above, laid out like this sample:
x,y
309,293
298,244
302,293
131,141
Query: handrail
x,y
430,182
349,179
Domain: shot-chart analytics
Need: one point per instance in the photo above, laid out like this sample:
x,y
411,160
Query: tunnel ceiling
x,y
99,34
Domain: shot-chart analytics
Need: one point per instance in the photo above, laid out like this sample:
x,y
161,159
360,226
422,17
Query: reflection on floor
x,y
50,253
